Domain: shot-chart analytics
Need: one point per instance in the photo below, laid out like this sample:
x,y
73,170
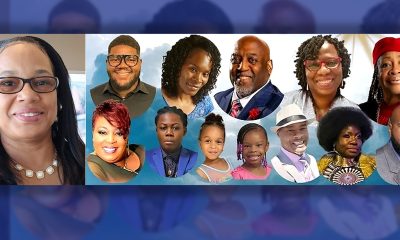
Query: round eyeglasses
x,y
315,65
115,60
9,85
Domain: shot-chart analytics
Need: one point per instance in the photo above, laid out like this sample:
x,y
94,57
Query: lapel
x,y
158,161
225,102
260,101
392,161
288,166
183,161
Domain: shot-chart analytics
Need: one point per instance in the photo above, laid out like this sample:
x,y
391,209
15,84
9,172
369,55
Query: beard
x,y
243,91
118,86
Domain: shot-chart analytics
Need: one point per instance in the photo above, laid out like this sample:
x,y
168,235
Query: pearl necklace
x,y
41,173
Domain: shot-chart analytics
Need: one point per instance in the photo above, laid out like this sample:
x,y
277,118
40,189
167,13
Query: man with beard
x,y
292,162
388,156
253,95
123,68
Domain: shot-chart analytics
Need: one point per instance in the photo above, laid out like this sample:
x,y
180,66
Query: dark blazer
x,y
264,102
388,164
187,160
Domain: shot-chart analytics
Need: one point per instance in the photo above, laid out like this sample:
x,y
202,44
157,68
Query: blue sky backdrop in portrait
x,y
154,47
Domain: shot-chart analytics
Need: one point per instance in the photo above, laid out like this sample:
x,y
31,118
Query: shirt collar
x,y
174,155
244,101
140,88
292,156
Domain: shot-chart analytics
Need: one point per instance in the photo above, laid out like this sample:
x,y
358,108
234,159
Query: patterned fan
x,y
347,176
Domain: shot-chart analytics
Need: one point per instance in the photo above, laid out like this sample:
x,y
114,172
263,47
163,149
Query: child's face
x,y
212,142
255,145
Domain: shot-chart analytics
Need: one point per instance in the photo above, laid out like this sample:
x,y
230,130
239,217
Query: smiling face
x,y
170,131
26,115
212,142
389,73
194,73
250,65
255,145
124,77
108,141
349,142
294,138
325,81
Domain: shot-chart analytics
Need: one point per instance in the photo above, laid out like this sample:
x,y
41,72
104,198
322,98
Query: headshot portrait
x,y
292,162
124,84
214,169
321,65
252,147
253,95
189,73
114,160
171,159
384,93
388,156
342,132
39,140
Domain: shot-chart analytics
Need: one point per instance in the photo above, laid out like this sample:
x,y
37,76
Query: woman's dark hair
x,y
242,133
375,91
69,146
173,62
115,113
382,18
174,110
336,120
213,120
309,50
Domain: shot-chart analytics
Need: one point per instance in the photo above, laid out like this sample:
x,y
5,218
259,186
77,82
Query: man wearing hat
x,y
292,162
384,93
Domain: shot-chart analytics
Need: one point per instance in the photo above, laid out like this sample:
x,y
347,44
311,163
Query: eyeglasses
x,y
315,65
115,60
9,85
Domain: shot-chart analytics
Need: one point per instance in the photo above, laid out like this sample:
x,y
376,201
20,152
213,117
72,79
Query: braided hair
x,y
242,133
175,58
309,49
213,120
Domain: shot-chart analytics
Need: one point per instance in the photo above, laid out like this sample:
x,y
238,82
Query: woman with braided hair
x,y
322,64
384,94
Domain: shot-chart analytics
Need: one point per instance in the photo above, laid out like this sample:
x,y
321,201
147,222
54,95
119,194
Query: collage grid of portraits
x,y
283,50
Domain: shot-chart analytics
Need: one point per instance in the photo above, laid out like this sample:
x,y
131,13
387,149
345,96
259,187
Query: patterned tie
x,y
170,166
236,108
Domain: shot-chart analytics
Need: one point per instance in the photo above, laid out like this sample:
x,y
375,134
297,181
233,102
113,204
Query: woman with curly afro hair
x,y
322,64
189,72
342,132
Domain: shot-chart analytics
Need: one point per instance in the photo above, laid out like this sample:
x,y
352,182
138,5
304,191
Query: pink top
x,y
240,173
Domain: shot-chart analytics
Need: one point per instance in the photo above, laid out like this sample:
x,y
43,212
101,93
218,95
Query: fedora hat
x,y
288,115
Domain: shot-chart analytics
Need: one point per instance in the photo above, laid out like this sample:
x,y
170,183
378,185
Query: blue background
x,y
215,212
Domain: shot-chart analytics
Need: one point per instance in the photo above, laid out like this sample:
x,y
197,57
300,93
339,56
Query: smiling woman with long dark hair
x,y
189,72
39,140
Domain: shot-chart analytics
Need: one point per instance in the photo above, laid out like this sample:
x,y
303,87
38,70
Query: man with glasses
x,y
253,95
124,85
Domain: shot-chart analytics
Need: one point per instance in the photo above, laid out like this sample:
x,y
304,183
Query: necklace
x,y
41,173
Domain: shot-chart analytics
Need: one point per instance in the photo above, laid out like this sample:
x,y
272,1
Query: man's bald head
x,y
394,126
251,65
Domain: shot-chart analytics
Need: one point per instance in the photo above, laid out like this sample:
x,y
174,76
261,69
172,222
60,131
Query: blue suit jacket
x,y
187,160
265,101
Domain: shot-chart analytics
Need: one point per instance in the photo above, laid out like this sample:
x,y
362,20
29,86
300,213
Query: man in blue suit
x,y
388,156
253,95
171,159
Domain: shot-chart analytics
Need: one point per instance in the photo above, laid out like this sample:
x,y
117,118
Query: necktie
x,y
236,108
170,166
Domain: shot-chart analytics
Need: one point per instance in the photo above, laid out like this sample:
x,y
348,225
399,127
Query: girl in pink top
x,y
252,147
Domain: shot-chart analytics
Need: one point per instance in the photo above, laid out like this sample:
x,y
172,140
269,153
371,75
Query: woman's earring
x,y
343,84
